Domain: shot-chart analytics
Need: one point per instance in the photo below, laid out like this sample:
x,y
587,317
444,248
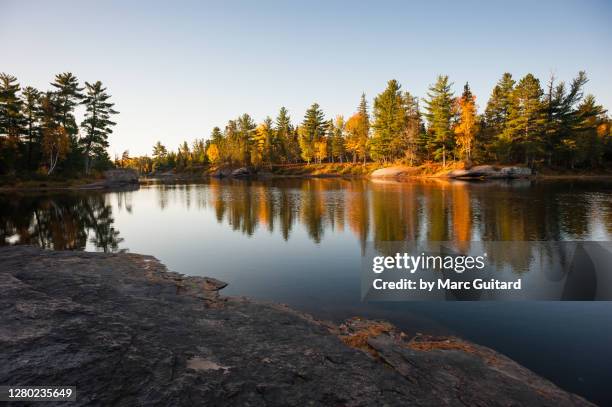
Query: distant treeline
x,y
557,126
39,132
522,123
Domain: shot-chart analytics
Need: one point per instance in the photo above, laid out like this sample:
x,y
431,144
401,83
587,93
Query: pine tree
x,y
245,127
68,96
560,106
337,139
363,110
413,130
11,119
497,112
389,122
97,124
55,139
160,155
31,114
585,144
312,131
525,126
184,156
288,147
439,106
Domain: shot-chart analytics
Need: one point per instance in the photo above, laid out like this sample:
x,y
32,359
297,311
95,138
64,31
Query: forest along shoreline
x,y
128,179
124,329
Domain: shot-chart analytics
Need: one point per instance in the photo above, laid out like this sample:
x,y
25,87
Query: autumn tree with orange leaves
x,y
467,128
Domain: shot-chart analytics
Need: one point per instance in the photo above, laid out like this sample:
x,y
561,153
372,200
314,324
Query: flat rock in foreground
x,y
126,332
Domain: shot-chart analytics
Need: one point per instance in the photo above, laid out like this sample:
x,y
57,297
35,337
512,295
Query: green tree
x,y
68,96
31,114
585,144
562,117
245,129
160,155
409,142
439,107
288,145
97,123
337,139
312,131
493,144
389,122
525,126
183,157
11,119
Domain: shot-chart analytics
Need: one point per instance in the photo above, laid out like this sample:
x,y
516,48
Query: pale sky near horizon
x,y
177,69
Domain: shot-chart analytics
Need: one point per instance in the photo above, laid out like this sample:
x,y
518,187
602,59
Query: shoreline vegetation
x,y
552,129
130,332
324,170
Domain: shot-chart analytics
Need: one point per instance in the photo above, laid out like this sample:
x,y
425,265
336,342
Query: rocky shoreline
x,y
125,331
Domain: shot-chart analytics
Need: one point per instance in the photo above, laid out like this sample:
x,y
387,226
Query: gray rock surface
x,y
393,172
121,176
127,332
490,171
242,172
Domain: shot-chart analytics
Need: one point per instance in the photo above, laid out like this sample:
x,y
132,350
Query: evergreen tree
x,y
312,131
55,139
439,106
31,114
68,96
198,148
525,126
288,147
562,117
245,127
413,130
337,139
11,119
496,118
160,154
363,110
389,122
585,144
97,124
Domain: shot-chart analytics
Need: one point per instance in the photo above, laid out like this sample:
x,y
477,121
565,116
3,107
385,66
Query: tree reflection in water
x,y
377,211
64,221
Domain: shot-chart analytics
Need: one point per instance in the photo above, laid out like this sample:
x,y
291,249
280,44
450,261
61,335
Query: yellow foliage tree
x,y
357,140
212,152
467,127
321,149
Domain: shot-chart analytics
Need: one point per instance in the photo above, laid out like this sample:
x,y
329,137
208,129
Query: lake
x,y
301,241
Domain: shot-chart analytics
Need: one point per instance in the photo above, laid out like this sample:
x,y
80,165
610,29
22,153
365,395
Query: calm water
x,y
300,242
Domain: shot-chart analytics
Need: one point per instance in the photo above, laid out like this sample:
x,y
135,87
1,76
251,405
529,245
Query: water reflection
x,y
59,221
424,210
433,210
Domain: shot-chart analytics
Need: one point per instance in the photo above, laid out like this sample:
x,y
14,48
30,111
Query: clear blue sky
x,y
176,69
